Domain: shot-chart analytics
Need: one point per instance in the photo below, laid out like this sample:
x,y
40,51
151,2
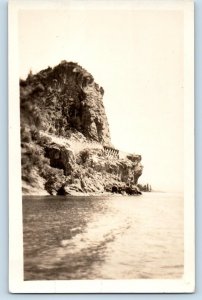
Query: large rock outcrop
x,y
64,134
65,98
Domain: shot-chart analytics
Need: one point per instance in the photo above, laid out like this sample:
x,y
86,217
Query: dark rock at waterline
x,y
65,136
115,189
132,191
126,189
61,191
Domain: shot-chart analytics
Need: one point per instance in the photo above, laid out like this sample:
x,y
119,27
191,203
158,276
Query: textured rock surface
x,y
68,99
63,130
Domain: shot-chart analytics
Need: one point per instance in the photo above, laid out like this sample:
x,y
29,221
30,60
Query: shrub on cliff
x,y
65,103
32,157
84,156
55,179
26,136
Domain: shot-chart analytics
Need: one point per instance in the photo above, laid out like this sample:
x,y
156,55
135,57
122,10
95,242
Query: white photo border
x,y
16,282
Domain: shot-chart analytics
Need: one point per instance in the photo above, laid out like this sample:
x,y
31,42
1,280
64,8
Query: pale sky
x,y
137,56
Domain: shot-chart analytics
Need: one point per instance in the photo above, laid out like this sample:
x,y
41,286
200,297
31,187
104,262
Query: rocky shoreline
x,y
79,194
66,146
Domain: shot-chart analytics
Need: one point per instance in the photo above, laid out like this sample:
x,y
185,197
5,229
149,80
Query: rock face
x,y
65,134
69,99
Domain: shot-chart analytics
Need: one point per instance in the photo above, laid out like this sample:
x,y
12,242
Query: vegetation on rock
x,y
64,129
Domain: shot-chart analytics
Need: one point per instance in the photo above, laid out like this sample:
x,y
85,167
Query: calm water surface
x,y
112,237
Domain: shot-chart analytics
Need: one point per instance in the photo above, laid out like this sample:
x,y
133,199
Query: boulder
x,y
114,189
60,158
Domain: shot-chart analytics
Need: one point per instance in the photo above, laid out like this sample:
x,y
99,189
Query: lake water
x,y
103,237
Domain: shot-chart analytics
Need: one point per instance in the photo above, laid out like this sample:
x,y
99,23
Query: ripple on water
x,y
103,237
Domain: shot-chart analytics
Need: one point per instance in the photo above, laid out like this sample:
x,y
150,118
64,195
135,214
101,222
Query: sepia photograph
x,y
101,146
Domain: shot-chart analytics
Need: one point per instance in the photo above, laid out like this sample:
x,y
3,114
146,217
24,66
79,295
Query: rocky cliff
x,y
65,137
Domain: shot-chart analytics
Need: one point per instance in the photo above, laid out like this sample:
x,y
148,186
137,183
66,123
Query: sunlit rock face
x,y
65,137
65,98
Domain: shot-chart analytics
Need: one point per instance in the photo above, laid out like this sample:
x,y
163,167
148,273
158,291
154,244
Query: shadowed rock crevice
x,y
65,136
